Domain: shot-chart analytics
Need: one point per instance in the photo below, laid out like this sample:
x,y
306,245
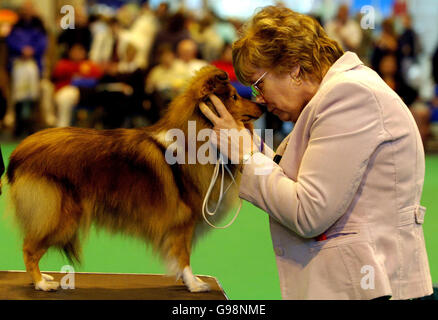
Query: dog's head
x,y
211,80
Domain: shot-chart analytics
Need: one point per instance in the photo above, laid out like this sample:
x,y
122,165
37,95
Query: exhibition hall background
x,y
130,58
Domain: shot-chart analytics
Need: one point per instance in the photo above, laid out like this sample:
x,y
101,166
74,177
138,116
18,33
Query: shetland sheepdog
x,y
62,180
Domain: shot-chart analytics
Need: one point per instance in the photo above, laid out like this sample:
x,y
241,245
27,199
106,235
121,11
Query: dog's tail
x,y
2,169
72,250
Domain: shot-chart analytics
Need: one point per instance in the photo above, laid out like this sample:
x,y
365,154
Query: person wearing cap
x,y
343,196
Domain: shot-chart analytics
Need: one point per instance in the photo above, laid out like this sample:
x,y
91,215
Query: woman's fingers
x,y
208,113
220,107
225,119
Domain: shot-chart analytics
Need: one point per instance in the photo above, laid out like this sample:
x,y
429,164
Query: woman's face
x,y
282,94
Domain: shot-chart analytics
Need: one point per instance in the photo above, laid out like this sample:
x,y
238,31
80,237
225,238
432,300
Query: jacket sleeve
x,y
345,131
15,42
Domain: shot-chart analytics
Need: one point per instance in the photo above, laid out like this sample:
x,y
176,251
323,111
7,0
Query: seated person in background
x,y
163,82
74,79
4,89
25,82
206,35
433,115
385,44
26,43
79,34
434,107
121,89
225,63
434,102
28,37
344,29
187,58
422,115
388,70
173,30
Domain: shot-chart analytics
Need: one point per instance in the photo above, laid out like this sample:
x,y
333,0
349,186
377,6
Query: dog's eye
x,y
235,96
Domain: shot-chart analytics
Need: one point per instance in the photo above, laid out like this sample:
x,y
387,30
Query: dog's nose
x,y
262,106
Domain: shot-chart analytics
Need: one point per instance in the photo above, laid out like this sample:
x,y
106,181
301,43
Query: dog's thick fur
x,y
64,179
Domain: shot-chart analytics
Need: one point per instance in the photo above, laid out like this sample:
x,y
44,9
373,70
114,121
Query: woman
x,y
344,198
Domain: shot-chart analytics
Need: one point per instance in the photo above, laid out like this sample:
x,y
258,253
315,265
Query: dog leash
x,y
214,177
221,163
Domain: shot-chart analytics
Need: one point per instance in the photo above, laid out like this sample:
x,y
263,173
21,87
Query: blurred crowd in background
x,y
121,67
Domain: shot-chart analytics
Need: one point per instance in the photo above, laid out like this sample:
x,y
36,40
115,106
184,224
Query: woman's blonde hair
x,y
279,39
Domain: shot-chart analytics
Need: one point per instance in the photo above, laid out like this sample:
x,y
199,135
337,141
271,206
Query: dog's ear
x,y
222,76
216,84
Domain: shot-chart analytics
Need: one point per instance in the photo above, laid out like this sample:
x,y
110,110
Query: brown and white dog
x,y
64,179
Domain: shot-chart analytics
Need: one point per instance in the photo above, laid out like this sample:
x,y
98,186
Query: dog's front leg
x,y
193,283
178,246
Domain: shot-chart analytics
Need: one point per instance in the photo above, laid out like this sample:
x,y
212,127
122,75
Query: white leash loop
x,y
221,195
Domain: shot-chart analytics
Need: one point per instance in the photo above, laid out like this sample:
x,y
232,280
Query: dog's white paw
x,y
47,277
198,286
194,284
45,285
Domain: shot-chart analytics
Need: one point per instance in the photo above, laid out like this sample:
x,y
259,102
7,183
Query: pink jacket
x,y
353,169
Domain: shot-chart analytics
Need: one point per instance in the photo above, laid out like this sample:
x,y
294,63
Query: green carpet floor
x,y
240,257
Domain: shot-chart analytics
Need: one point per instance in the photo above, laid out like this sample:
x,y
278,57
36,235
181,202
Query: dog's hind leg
x,y
51,220
178,245
37,216
32,253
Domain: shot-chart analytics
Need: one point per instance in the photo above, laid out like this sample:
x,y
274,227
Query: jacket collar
x,y
349,60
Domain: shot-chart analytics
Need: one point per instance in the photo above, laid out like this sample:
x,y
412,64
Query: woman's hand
x,y
233,139
225,121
